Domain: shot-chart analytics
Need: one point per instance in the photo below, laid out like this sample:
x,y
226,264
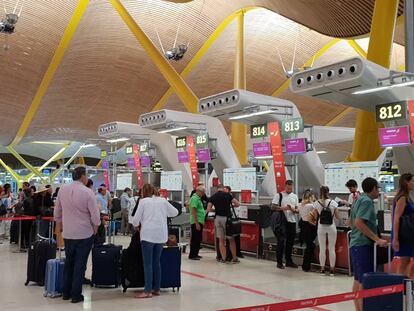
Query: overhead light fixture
x,y
383,88
252,114
263,157
321,152
47,142
117,140
88,146
174,129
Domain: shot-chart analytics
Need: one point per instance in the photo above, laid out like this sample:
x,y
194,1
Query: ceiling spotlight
x,y
176,53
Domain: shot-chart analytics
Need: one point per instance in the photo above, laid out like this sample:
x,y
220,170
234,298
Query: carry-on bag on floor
x,y
394,302
39,253
54,277
171,268
14,232
132,265
106,265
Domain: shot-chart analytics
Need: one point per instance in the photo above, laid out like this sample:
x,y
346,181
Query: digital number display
x,y
103,154
202,139
128,150
391,111
292,126
143,148
259,130
181,142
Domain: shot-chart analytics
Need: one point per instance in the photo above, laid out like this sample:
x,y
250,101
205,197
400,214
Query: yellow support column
x,y
366,145
186,95
238,130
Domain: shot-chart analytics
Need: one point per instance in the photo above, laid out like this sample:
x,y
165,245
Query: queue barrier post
x,y
408,295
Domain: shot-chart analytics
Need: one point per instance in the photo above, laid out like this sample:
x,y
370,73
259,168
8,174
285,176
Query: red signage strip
x,y
138,168
277,153
411,119
318,301
193,161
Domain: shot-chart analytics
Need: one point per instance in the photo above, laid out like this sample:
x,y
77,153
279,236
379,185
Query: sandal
x,y
143,295
156,293
234,261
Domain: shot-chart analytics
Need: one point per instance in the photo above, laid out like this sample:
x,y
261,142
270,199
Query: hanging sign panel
x,y
277,153
138,168
258,130
202,140
295,146
394,136
292,126
180,142
391,111
411,118
193,161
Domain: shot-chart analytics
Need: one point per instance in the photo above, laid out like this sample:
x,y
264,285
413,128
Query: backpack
x,y
325,216
278,220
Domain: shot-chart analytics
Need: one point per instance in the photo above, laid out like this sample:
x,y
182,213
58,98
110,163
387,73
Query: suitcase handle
x,y
376,255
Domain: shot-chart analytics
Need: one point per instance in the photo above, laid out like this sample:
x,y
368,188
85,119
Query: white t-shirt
x,y
351,198
152,214
287,199
304,210
332,206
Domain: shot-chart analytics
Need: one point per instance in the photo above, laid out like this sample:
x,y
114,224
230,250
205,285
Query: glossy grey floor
x,y
206,285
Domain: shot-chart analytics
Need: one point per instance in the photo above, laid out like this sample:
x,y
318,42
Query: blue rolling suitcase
x,y
171,268
54,277
393,302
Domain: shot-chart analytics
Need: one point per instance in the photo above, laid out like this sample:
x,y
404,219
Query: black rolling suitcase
x,y
106,265
171,268
132,265
39,253
14,232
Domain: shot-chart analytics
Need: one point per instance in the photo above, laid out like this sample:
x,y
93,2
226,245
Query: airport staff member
x,y
287,202
364,225
77,213
354,194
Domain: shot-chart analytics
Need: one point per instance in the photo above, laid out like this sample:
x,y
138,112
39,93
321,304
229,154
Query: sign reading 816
x,y
181,142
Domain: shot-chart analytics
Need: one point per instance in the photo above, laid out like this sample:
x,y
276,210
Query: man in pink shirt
x,y
76,211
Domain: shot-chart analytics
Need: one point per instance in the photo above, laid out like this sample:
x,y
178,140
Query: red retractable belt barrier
x,y
319,301
18,218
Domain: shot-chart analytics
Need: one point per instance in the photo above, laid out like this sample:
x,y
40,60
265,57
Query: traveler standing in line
x,y
308,227
125,203
55,194
77,213
103,201
222,201
6,201
287,202
237,237
354,194
197,218
151,219
363,234
327,210
403,205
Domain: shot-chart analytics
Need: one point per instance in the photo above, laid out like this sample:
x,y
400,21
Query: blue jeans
x,y
151,254
77,253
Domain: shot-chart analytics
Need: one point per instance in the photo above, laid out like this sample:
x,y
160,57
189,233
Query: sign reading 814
x,y
258,130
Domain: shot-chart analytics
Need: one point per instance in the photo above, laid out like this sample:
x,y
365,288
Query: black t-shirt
x,y
222,201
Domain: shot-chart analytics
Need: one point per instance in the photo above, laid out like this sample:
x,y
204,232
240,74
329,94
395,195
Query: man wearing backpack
x,y
285,207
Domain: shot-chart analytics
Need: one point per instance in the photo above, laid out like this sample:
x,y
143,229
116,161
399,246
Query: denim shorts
x,y
362,260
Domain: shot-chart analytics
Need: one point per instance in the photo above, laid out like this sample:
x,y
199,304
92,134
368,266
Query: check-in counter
x,y
251,233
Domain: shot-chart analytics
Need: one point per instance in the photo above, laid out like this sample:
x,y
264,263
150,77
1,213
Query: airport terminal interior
x,y
207,155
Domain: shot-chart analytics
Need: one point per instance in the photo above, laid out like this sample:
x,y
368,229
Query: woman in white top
x,y
308,227
151,216
327,210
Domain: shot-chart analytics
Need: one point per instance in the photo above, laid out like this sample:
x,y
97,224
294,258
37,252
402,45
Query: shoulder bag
x,y
233,223
406,231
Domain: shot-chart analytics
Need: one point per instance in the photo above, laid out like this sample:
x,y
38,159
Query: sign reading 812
x,y
391,111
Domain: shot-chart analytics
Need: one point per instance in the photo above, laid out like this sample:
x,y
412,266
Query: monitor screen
x,y
394,136
295,146
261,149
203,155
183,157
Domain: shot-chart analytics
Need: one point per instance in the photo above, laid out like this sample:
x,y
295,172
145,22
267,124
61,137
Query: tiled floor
x,y
206,285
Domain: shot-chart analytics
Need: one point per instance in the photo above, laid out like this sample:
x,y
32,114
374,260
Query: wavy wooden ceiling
x,y
105,74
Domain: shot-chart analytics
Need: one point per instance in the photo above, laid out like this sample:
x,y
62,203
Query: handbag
x,y
406,231
3,209
233,224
